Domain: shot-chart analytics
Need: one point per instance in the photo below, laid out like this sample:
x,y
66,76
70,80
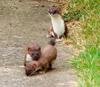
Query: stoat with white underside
x,y
58,24
58,28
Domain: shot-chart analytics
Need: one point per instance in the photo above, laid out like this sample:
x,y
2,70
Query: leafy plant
x,y
87,63
88,67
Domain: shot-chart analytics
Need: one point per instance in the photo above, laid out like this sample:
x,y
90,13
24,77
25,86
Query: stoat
x,y
58,28
33,53
48,55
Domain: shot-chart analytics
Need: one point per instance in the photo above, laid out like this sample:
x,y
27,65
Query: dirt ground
x,y
22,21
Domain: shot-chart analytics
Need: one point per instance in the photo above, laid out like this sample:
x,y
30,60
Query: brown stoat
x,y
33,52
58,28
48,55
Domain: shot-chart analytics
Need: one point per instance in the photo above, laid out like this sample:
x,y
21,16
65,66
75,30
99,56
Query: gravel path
x,y
20,23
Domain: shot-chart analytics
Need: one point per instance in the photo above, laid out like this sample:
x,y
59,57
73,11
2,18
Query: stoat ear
x,y
59,10
29,49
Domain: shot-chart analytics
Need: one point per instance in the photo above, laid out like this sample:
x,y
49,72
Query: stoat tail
x,y
52,41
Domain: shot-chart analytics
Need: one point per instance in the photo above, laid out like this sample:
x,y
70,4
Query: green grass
x,y
88,13
87,63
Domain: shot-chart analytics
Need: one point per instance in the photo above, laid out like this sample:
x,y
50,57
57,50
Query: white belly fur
x,y
58,24
28,57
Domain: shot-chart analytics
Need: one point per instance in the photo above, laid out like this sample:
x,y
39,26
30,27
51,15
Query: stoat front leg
x,y
59,38
51,33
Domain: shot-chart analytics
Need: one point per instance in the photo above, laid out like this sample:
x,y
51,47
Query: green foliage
x,y
88,67
88,12
87,63
72,16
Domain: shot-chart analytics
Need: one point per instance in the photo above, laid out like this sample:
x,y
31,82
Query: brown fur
x,y
51,33
29,68
34,51
48,55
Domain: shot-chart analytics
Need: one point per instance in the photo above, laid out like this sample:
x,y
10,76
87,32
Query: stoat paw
x,y
59,40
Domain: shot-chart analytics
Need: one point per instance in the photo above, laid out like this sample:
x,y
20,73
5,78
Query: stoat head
x,y
34,51
54,10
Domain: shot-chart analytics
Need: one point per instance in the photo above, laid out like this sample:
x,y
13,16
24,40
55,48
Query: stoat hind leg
x,y
66,30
